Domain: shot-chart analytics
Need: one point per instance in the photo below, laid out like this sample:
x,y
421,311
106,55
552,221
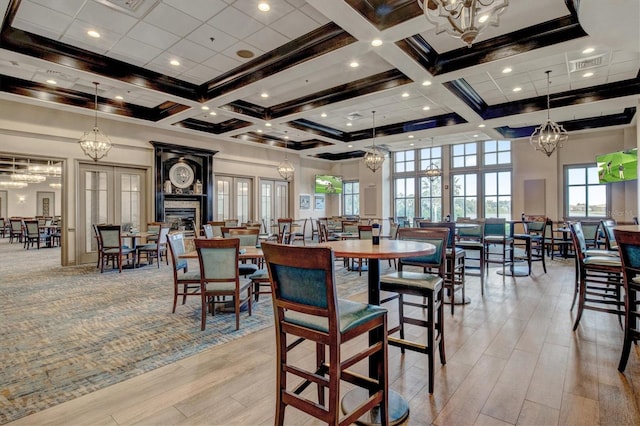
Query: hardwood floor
x,y
512,358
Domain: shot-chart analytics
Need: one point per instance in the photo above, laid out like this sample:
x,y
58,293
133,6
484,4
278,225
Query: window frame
x,y
565,207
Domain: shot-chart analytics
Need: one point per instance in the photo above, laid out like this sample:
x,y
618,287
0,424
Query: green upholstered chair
x,y
155,250
629,246
471,239
112,248
187,283
498,246
600,284
219,276
306,307
429,285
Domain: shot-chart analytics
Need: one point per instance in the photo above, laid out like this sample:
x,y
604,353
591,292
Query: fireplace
x,y
183,215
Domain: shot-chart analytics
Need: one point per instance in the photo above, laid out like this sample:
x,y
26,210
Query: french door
x,y
234,198
111,195
274,201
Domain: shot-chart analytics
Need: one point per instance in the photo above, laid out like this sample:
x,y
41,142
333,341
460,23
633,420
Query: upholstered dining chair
x,y
208,230
429,285
15,229
216,226
32,234
300,234
220,278
306,307
498,245
187,283
284,224
629,247
155,250
600,280
532,242
112,248
471,238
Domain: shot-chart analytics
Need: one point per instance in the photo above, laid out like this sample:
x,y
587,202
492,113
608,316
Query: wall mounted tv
x,y
618,166
327,184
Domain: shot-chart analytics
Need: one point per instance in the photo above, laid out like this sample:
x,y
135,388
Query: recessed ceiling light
x,y
506,70
349,146
354,64
267,124
174,62
426,83
475,136
411,136
482,125
93,33
264,6
259,130
213,113
411,144
264,95
323,115
118,97
426,108
588,50
517,89
405,95
349,124
50,81
376,42
244,53
205,108
587,74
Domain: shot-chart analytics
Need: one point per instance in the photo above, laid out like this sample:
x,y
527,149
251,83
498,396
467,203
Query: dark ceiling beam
x,y
312,45
386,14
263,139
339,156
216,129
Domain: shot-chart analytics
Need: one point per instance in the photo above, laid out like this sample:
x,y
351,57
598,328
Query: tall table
x,y
387,249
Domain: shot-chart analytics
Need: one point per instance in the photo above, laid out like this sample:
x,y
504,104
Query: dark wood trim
x,y
620,119
317,43
386,14
534,37
340,156
216,129
263,139
469,96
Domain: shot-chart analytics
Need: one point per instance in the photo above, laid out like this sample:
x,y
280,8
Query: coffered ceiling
x,y
254,77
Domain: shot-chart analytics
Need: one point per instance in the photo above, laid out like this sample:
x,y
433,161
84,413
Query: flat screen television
x,y
328,184
618,166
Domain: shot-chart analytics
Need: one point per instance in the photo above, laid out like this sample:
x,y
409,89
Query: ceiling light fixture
x,y
286,169
94,143
433,171
13,185
550,135
264,6
463,19
376,42
374,158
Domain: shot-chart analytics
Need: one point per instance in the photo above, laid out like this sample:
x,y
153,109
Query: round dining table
x,y
387,249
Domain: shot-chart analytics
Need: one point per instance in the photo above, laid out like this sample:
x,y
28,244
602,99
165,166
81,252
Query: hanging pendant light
x,y
549,135
463,19
94,143
286,169
433,171
374,158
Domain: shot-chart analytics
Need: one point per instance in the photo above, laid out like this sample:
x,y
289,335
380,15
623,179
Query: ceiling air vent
x,y
136,8
354,116
586,63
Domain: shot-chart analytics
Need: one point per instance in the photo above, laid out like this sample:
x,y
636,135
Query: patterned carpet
x,y
68,331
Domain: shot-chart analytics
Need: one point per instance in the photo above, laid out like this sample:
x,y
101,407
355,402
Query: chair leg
x,y
401,317
581,298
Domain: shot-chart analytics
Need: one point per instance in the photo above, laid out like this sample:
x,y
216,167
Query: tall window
x,y
497,194
431,189
351,198
465,195
464,155
584,195
405,197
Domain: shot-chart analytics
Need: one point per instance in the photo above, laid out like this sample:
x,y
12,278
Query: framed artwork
x,y
319,202
45,203
305,201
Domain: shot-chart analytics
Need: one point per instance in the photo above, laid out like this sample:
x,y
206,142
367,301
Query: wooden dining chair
x,y
112,248
220,278
284,223
629,247
186,283
155,249
306,307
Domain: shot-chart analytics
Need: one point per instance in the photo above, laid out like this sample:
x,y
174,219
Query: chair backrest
x,y
322,232
177,249
365,232
284,223
16,224
208,230
590,230
471,231
495,226
609,236
31,226
351,227
216,225
162,235
536,225
226,229
218,259
436,236
110,236
577,236
154,227
451,226
247,237
302,280
393,231
629,248
230,222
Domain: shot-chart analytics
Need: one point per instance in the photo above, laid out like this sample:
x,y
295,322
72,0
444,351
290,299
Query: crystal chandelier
x,y
13,184
373,159
286,169
433,171
463,19
28,178
49,170
549,135
94,143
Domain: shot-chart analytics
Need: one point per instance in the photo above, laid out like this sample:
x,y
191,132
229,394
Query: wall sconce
x,y
22,199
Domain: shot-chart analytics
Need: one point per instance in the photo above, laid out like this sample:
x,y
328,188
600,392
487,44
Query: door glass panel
x,y
130,201
223,199
95,205
242,200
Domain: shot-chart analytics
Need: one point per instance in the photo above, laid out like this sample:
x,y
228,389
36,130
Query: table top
x,y
387,249
346,235
250,252
136,234
628,228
